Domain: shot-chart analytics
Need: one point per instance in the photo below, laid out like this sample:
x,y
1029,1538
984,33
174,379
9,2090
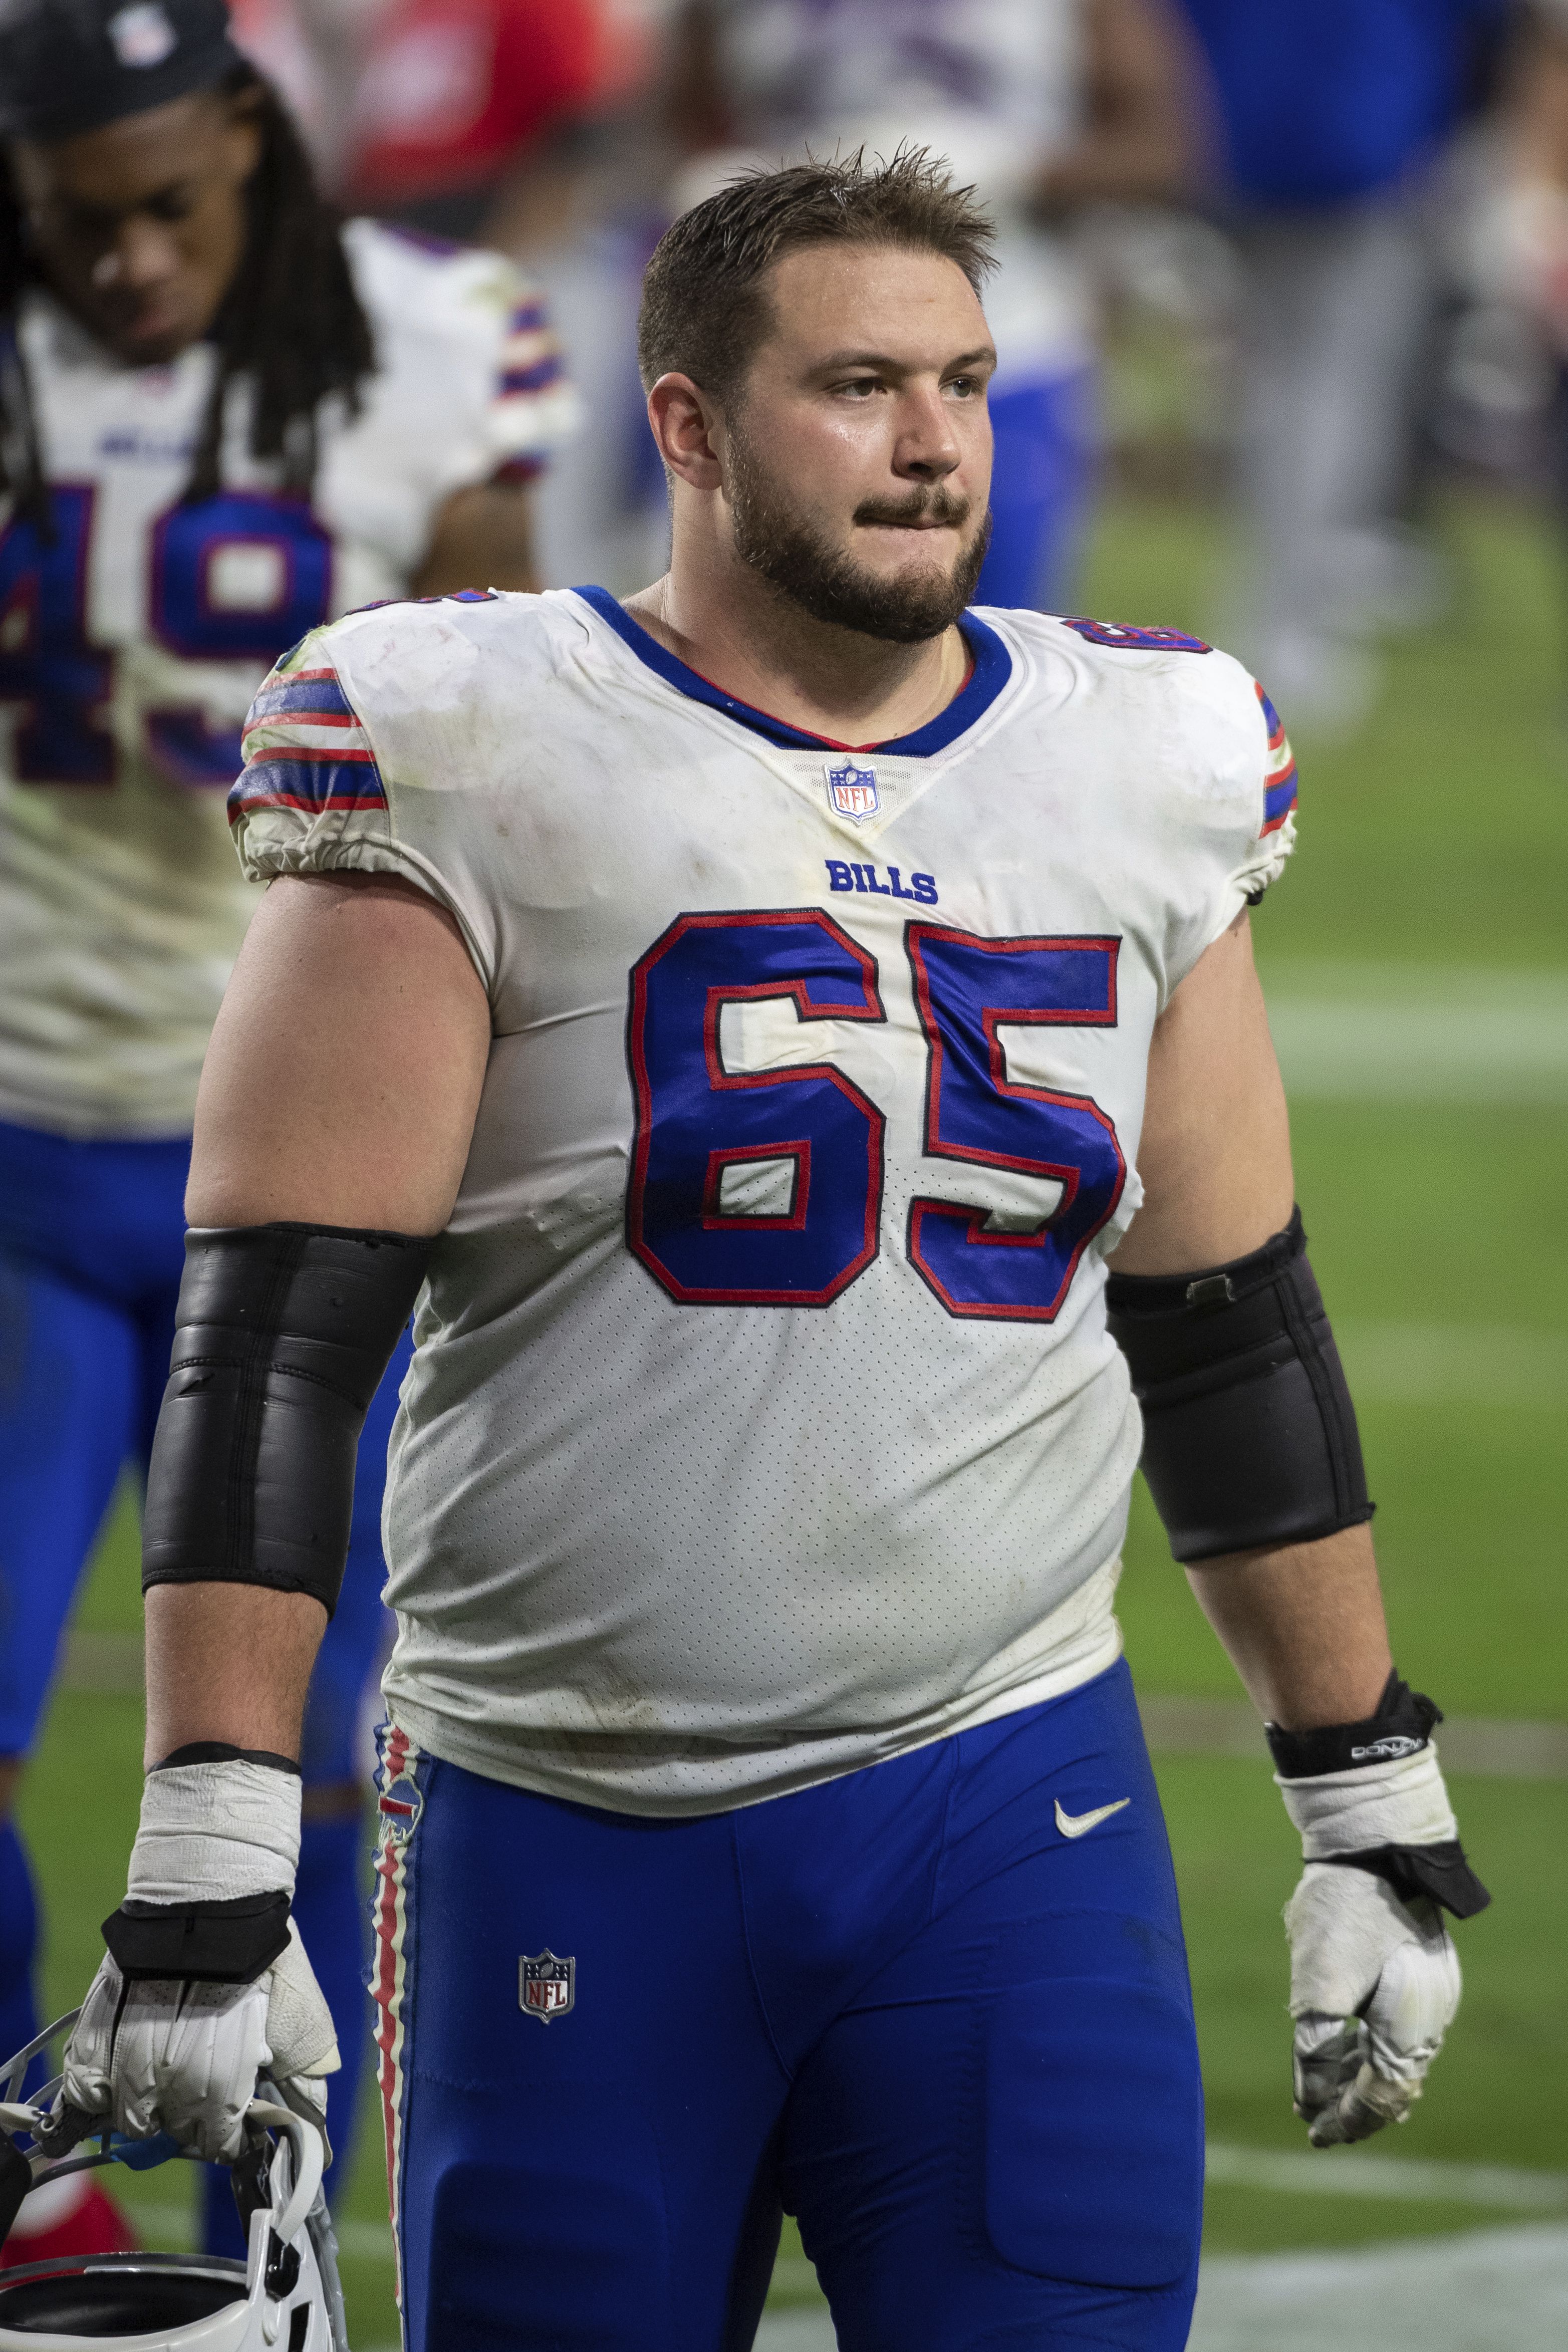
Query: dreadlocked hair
x,y
292,324
292,321
21,461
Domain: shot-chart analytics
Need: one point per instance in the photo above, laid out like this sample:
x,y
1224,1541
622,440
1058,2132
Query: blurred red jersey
x,y
423,97
450,89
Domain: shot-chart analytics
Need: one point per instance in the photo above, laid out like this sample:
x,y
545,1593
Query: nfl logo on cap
x,y
142,35
852,791
546,1987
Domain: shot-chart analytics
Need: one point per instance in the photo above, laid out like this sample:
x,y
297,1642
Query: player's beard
x,y
776,541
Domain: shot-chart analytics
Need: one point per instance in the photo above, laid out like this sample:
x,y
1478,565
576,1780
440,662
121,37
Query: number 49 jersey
x,y
763,1421
132,640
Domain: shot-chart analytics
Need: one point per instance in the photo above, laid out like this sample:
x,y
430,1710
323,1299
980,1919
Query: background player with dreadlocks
x,y
223,420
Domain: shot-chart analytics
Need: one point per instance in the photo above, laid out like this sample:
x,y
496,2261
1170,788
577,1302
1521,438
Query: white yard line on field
x,y
1497,2291
1493,1749
1359,2173
1408,1033
364,2242
1514,1366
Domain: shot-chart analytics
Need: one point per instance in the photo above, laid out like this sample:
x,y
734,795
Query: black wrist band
x,y
1438,1871
1401,1726
222,1943
220,1752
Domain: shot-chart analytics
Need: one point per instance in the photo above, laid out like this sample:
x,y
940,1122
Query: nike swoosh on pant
x,y
1073,1825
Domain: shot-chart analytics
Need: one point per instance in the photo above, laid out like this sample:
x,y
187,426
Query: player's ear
x,y
688,425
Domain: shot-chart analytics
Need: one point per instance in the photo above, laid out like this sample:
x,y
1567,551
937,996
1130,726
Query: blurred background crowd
x,y
1312,253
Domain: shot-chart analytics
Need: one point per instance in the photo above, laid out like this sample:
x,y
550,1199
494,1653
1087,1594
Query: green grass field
x,y
1434,857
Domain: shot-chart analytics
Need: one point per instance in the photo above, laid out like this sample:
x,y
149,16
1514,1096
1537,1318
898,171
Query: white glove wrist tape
x,y
1400,1804
215,1833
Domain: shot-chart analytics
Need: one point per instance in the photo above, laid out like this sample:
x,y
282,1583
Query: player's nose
x,y
146,254
927,448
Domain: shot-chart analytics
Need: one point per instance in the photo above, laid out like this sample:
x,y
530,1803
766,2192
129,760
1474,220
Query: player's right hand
x,y
181,2056
1374,1986
207,1979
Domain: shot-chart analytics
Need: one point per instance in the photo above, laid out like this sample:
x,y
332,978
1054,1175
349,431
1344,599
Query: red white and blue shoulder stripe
x,y
1280,775
532,406
304,746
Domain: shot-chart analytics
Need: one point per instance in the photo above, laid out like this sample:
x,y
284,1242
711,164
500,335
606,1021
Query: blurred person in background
x,y
223,420
1044,105
1517,245
1334,117
447,114
515,124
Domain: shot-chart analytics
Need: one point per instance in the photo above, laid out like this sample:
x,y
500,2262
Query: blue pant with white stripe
x,y
930,2009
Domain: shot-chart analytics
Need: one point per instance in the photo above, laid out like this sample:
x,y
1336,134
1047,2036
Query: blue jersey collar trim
x,y
992,668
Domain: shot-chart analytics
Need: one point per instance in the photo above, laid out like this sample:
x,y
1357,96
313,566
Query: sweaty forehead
x,y
125,161
915,306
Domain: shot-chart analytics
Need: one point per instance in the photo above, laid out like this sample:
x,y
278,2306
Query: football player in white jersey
x,y
759,1013
222,421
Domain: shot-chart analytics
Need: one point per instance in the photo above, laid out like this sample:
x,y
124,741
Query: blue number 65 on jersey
x,y
696,1120
816,1140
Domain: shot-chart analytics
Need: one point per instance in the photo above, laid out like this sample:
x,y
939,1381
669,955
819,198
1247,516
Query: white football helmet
x,y
284,2298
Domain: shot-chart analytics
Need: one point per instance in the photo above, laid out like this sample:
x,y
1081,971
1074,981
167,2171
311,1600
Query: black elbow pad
x,y
284,1332
1249,1434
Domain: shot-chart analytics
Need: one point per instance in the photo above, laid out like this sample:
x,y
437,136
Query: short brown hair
x,y
704,304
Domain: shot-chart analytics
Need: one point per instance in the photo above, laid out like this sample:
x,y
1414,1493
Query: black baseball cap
x,y
70,65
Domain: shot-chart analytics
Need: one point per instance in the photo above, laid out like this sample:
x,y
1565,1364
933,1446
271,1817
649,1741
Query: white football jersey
x,y
763,1421
995,86
130,646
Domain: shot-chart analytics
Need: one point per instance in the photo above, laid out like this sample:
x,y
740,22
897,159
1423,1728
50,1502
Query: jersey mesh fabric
x,y
666,1550
130,646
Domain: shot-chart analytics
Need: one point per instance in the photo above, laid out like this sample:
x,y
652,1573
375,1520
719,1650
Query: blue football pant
x,y
905,2006
1042,476
92,1252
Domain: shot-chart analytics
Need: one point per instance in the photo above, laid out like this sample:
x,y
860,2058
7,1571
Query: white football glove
x,y
163,2054
181,2055
1375,1985
1375,1978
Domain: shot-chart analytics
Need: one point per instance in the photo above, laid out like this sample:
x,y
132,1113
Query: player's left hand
x,y
1375,1985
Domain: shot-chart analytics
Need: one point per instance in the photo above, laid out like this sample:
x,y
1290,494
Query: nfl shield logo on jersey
x,y
852,791
546,1987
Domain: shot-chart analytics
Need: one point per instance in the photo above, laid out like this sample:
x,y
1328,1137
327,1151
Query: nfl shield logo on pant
x,y
546,1987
